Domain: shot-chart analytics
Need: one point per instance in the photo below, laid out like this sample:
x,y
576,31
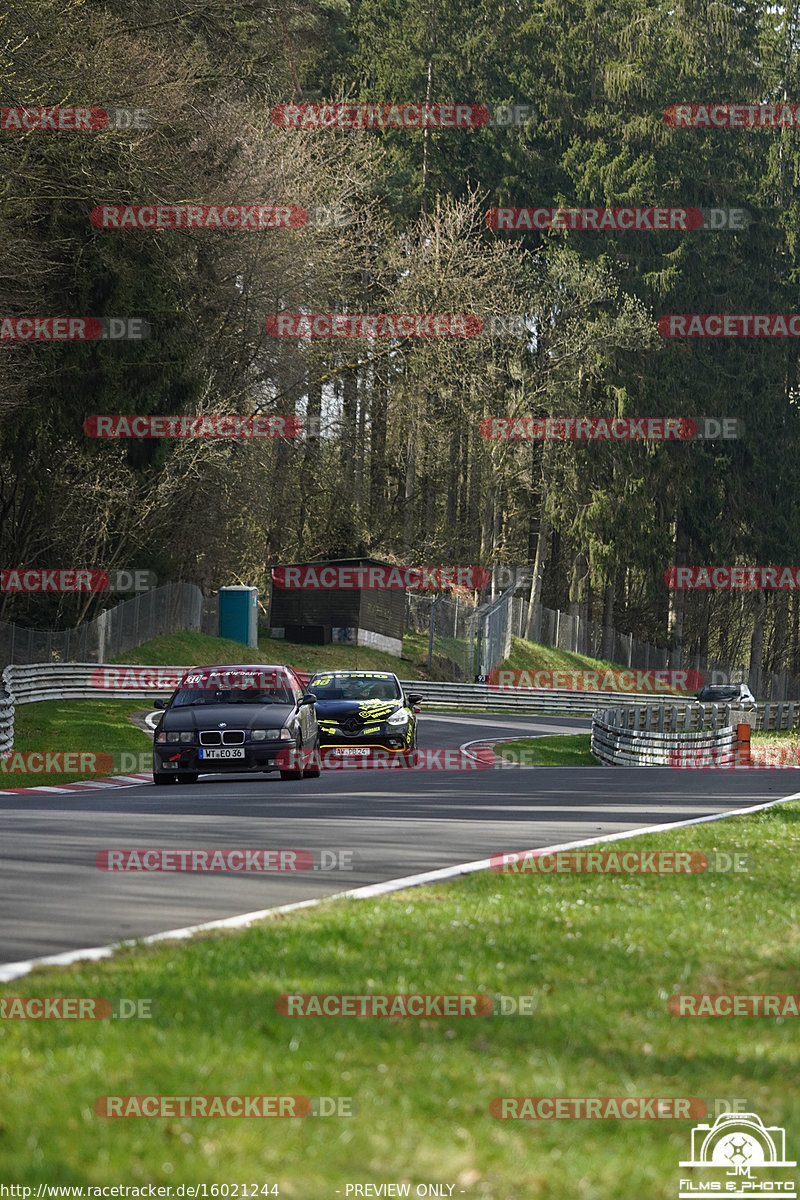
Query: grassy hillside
x,y
196,648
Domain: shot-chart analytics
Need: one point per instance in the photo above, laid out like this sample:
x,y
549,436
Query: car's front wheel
x,y
162,777
292,776
189,777
314,772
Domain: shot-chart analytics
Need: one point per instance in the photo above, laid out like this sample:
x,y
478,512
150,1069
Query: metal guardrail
x,y
6,720
617,739
678,712
32,682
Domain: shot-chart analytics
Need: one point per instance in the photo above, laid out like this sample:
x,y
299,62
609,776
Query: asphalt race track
x,y
397,823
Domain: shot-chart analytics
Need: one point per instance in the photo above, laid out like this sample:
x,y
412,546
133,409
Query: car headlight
x,y
271,735
187,736
398,718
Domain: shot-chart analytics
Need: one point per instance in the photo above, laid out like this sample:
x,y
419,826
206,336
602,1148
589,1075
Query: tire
x,y
292,776
161,778
313,772
189,777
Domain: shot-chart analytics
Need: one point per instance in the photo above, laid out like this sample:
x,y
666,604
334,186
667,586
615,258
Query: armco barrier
x,y
626,737
53,681
6,720
28,683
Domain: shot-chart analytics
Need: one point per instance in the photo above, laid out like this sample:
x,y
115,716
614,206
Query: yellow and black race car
x,y
360,710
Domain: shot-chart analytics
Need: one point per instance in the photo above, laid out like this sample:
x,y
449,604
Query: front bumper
x,y
394,742
258,757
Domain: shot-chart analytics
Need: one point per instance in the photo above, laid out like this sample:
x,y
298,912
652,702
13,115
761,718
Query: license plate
x,y
222,752
351,750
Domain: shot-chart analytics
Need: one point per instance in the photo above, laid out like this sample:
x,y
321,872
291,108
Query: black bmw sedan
x,y
235,719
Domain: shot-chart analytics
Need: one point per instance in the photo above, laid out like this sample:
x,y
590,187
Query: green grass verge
x,y
531,656
96,727
775,737
177,649
558,750
599,954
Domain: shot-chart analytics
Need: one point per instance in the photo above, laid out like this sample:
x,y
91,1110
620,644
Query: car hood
x,y
368,710
235,716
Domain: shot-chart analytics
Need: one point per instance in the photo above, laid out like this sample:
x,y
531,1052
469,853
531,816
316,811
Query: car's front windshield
x,y
230,687
187,697
355,687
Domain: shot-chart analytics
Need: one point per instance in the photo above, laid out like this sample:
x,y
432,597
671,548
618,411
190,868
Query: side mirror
x,y
309,698
159,704
414,698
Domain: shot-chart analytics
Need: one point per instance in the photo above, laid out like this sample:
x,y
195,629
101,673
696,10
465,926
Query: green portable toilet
x,y
238,614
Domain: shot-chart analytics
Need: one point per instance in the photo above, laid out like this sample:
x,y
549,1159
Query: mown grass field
x,y
599,954
557,750
101,728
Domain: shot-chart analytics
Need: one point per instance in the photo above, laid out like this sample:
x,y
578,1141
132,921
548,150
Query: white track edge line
x,y
9,971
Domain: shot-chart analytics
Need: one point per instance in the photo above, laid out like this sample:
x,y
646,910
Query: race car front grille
x,y
351,725
222,737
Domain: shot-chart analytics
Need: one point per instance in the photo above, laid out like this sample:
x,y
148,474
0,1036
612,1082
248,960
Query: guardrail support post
x,y
743,746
